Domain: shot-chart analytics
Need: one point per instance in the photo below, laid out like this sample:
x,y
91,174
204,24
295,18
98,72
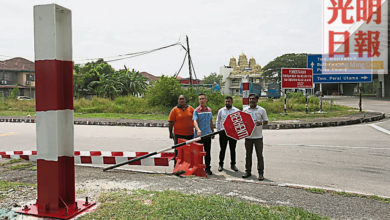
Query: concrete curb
x,y
329,122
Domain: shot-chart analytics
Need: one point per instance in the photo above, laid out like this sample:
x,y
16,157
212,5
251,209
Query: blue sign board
x,y
342,78
315,62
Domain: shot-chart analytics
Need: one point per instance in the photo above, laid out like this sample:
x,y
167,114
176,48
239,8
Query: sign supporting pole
x,y
285,102
54,115
245,92
360,97
307,102
296,78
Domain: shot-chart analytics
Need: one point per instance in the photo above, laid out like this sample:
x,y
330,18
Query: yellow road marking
x,y
7,134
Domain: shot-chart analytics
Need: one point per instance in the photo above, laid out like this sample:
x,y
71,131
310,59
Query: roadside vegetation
x,y
102,92
156,107
6,186
142,204
348,194
157,103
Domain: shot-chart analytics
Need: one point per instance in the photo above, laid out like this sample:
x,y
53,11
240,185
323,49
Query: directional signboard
x,y
297,78
239,125
314,62
323,74
342,78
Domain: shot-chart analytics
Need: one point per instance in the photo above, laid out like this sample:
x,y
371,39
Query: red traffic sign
x,y
239,125
297,78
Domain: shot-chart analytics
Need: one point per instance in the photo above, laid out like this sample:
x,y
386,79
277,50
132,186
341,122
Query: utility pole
x,y
189,61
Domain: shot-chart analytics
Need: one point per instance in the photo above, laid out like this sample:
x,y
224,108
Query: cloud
x,y
217,30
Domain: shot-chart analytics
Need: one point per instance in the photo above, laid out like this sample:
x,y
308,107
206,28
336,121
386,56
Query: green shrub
x,y
164,92
14,92
314,100
272,106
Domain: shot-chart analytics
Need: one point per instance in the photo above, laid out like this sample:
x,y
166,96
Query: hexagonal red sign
x,y
239,125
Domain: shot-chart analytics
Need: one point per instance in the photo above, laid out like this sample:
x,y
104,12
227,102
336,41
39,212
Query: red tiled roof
x,y
149,76
17,64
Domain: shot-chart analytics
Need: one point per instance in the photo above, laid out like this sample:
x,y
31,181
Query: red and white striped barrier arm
x,y
99,157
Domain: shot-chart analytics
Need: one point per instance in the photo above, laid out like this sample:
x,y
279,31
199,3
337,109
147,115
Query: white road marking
x,y
7,134
380,128
326,146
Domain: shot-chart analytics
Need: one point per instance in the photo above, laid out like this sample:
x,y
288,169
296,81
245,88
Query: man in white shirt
x,y
223,139
259,116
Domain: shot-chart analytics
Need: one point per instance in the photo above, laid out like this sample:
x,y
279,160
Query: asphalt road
x,y
350,158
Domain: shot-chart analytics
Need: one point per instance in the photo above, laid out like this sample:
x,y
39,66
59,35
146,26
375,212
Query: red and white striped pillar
x,y
245,92
54,113
54,106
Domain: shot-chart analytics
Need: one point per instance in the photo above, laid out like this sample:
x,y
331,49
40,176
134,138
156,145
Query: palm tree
x,y
107,86
133,82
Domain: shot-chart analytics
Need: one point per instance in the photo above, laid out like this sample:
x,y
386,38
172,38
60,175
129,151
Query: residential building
x,y
233,73
18,72
149,77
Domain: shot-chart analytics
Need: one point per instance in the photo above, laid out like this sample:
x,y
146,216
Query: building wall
x,y
386,87
225,72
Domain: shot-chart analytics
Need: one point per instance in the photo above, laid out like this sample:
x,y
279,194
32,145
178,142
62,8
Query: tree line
x,y
100,79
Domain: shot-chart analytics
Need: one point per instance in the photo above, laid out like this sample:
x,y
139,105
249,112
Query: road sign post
x,y
285,103
239,125
297,78
245,92
324,74
307,103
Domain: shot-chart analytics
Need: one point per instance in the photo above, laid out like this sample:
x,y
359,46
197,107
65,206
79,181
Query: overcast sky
x,y
217,30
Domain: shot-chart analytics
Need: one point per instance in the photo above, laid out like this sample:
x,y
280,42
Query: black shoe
x,y
246,175
208,172
261,177
234,168
220,168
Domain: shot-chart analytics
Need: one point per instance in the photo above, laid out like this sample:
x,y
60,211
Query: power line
x,y
182,64
131,55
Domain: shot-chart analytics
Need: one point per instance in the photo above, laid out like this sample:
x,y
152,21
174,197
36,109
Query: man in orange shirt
x,y
180,121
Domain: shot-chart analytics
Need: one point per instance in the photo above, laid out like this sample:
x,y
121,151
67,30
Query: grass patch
x,y
33,168
12,161
81,191
347,194
5,186
143,204
374,197
130,107
310,115
378,198
16,113
123,116
316,190
20,166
